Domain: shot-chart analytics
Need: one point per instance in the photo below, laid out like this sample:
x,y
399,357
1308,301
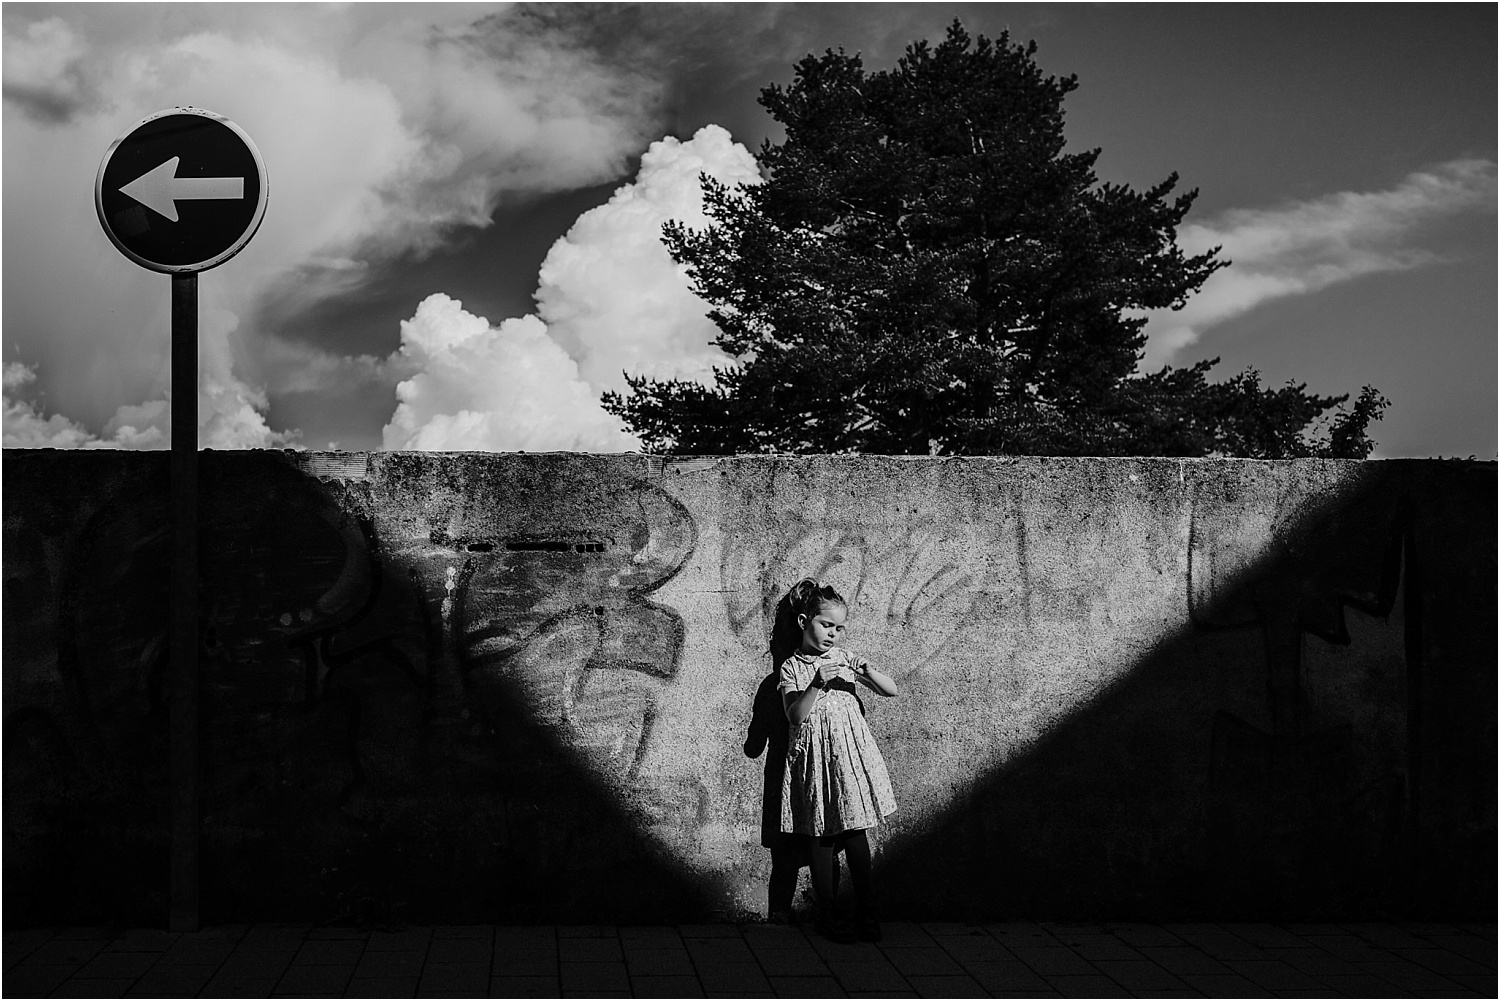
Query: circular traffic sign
x,y
181,190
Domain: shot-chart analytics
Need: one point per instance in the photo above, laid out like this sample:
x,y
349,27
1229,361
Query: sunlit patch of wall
x,y
517,687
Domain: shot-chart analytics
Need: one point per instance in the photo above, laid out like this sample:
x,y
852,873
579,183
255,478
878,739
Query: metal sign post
x,y
180,192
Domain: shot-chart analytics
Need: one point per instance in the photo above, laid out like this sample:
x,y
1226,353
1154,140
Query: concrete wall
x,y
519,687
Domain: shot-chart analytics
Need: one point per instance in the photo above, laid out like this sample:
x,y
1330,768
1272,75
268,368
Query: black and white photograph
x,y
749,499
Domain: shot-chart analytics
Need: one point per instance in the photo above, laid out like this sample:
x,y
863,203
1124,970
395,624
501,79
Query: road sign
x,y
181,191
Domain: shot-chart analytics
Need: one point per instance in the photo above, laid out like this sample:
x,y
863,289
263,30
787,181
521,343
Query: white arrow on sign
x,y
159,189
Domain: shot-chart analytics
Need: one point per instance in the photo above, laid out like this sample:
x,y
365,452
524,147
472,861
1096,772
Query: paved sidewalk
x,y
1018,959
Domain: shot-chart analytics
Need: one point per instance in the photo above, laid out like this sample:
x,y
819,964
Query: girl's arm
x,y
799,705
877,680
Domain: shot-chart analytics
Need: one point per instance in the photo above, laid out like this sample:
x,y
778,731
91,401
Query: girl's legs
x,y
856,847
825,878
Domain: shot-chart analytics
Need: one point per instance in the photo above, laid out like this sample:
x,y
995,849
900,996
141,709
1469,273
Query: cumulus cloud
x,y
384,128
609,292
25,426
492,389
610,297
1307,246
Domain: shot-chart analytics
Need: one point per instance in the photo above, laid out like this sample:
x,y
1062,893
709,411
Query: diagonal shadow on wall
x,y
1337,787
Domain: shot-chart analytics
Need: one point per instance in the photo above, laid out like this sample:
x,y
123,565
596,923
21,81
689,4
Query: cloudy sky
x,y
460,248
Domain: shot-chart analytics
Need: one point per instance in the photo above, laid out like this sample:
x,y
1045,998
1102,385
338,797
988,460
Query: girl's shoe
x,y
867,926
835,927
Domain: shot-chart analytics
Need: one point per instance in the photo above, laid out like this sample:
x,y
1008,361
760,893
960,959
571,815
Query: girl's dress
x,y
835,778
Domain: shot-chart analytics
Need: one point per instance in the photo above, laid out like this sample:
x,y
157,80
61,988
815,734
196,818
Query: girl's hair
x,y
807,598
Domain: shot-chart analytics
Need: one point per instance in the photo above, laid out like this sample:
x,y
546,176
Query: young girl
x,y
836,786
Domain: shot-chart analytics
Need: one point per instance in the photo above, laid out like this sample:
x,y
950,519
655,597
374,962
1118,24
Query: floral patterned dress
x,y
835,778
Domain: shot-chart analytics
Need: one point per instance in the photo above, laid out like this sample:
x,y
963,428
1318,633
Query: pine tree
x,y
925,269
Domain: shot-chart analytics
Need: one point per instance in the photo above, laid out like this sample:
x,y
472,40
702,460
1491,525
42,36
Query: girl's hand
x,y
829,672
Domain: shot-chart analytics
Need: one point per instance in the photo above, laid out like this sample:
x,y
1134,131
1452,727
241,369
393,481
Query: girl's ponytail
x,y
807,598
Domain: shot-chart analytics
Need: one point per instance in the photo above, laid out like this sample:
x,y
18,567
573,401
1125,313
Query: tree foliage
x,y
926,269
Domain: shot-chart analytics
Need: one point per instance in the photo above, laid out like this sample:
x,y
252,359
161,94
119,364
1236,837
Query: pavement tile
x,y
977,947
309,981
708,931
523,987
381,987
460,950
67,952
867,975
1020,933
1096,947
590,950
101,933
651,936
1086,986
1481,950
1363,985
923,961
329,952
1442,961
1007,975
443,992
1223,945
939,928
1422,929
116,965
1050,960
1140,976
669,986
1484,929
948,987
273,936
597,994
1265,935
1140,935
844,950
803,962
172,982
904,934
398,941
1057,929
1182,959
335,932
1483,985
773,936
718,950
1225,985
486,932
1312,961
229,987
525,963
1313,928
390,964
1386,935
658,962
256,965
1273,975
76,988
889,994
720,978
1345,946
29,980
1182,929
143,940
192,951
587,931
806,987
454,977
1406,974
594,977
525,936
